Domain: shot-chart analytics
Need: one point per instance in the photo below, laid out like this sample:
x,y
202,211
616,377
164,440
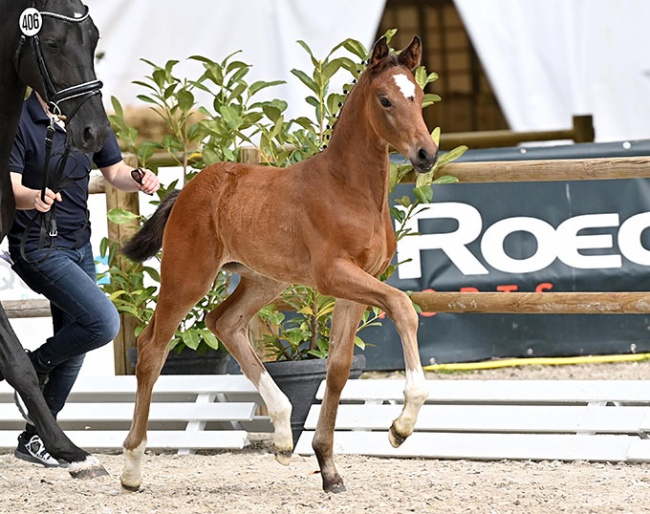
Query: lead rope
x,y
48,226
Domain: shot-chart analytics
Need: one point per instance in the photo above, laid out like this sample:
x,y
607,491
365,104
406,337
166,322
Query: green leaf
x,y
331,68
120,216
446,179
390,33
306,47
259,85
210,339
424,193
435,135
355,47
452,155
190,338
185,100
424,179
421,76
306,80
147,99
236,92
117,107
334,102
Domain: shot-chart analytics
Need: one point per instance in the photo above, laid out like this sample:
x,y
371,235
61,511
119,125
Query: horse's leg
x,y
229,321
342,279
181,288
345,322
16,367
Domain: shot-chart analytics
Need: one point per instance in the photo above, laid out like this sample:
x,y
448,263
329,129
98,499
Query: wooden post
x,y
249,155
116,199
583,129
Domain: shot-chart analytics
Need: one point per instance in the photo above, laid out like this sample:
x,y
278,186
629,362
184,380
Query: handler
x,y
58,262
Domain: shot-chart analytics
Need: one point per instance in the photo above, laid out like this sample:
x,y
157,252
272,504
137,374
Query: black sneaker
x,y
32,449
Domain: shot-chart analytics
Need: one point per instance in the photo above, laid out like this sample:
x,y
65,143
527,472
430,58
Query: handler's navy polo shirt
x,y
28,158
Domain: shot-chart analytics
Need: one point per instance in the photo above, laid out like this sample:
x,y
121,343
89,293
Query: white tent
x,y
548,60
265,31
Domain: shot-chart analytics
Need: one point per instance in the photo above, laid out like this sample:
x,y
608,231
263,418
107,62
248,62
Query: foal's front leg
x,y
345,280
345,322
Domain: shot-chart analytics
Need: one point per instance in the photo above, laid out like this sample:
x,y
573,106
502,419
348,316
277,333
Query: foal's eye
x,y
385,102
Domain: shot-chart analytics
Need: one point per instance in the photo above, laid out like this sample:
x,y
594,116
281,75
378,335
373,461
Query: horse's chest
x,y
374,248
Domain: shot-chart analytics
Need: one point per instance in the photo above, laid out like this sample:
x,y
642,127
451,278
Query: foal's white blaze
x,y
279,408
405,85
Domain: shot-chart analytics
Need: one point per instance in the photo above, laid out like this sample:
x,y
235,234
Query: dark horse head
x,y
55,56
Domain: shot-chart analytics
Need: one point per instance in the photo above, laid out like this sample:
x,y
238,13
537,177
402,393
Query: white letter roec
x,y
453,244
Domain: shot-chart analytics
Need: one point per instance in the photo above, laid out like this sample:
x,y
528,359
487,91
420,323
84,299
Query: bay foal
x,y
322,222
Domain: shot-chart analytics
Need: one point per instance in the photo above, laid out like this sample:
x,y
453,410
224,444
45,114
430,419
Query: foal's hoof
x,y
130,488
283,457
334,487
131,484
90,468
88,473
395,438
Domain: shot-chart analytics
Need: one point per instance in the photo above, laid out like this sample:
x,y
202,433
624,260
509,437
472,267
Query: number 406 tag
x,y
30,22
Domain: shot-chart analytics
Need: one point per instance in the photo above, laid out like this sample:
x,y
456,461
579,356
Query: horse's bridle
x,y
52,97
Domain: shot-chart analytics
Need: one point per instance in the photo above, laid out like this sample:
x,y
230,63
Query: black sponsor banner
x,y
524,237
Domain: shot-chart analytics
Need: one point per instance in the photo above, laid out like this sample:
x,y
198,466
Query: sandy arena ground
x,y
251,480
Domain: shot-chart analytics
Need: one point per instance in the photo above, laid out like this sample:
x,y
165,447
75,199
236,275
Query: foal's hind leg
x,y
345,322
229,321
178,294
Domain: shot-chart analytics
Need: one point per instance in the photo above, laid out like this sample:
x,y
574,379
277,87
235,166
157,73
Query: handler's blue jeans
x,y
83,317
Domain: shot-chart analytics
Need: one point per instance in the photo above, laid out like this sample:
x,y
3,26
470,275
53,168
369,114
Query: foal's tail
x,y
148,240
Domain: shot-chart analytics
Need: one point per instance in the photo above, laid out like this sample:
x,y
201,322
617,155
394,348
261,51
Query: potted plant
x,y
296,328
190,144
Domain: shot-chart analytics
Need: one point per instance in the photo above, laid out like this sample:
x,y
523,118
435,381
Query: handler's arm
x,y
27,198
120,176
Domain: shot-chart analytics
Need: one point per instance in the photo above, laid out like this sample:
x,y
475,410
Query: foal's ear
x,y
411,55
379,52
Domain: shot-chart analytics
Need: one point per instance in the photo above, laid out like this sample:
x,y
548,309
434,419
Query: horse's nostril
x,y
90,134
423,155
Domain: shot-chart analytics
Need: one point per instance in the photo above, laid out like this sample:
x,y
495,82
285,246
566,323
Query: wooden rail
x,y
534,303
556,169
27,308
582,131
452,302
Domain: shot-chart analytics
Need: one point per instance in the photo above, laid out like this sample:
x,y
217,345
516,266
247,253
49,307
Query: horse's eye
x,y
51,44
385,102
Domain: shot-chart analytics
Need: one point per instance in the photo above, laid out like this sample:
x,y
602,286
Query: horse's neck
x,y
12,92
358,156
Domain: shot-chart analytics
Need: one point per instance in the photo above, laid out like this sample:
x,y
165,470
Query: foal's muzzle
x,y
423,160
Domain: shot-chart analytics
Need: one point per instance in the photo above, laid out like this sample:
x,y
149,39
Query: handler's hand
x,y
146,179
45,205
